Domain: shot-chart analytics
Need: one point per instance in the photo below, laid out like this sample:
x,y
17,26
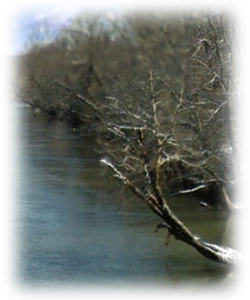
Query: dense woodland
x,y
159,93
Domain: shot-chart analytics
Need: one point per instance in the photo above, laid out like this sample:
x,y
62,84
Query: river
x,y
76,226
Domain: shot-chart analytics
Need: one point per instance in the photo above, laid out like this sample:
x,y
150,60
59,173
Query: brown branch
x,y
159,205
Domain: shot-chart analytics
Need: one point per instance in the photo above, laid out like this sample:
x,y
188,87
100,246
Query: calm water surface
x,y
76,226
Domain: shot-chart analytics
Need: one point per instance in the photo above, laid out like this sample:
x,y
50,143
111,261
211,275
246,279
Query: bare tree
x,y
147,160
158,92
166,136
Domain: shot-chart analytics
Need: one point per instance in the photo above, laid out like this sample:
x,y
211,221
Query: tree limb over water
x,y
158,93
175,227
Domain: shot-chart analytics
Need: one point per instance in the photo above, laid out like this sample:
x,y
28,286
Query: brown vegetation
x,y
157,92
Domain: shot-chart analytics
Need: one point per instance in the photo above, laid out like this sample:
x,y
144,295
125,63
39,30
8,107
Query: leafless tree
x,y
166,136
159,91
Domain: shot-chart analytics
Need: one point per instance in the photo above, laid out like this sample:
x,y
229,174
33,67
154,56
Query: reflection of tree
x,y
157,92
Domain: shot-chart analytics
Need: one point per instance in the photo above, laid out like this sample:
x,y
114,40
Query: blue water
x,y
77,226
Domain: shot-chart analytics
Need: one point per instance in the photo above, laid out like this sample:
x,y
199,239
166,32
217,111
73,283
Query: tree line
x,y
158,91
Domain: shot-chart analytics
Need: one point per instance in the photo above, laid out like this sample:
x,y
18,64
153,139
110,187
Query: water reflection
x,y
76,226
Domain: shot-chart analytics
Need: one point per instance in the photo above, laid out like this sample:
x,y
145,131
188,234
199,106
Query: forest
x,y
159,94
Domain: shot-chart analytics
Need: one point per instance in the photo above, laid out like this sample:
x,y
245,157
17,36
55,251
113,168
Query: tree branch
x,y
174,225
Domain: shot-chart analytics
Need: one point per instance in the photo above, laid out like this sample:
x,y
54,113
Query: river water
x,y
76,226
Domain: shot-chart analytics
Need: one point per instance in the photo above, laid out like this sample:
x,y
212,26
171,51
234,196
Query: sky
x,y
24,18
20,16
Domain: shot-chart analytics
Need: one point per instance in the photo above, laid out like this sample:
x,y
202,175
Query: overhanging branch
x,y
175,226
